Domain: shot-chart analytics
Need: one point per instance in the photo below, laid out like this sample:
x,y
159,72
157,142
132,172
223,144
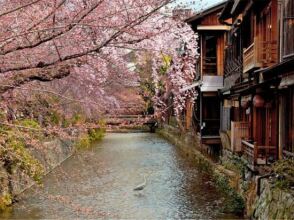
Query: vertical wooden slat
x,y
239,131
255,154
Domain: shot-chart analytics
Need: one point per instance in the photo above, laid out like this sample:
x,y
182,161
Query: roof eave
x,y
205,12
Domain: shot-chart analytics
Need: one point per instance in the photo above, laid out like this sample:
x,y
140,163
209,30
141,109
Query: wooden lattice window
x,y
289,122
288,28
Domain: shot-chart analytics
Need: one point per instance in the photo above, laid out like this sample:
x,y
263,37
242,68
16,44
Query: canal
x,y
99,182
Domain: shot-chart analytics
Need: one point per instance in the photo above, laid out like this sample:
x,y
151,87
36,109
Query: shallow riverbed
x,y
99,182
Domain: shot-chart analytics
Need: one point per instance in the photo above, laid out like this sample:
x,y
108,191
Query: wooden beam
x,y
213,28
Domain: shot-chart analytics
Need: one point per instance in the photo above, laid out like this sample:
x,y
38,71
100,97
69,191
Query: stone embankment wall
x,y
224,179
14,182
233,177
273,203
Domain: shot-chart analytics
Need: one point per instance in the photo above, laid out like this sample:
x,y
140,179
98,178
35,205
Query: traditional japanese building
x,y
257,98
210,71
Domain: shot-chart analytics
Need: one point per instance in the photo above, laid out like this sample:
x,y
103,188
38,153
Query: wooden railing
x,y
239,131
250,58
233,63
268,53
233,67
258,155
260,54
249,152
210,66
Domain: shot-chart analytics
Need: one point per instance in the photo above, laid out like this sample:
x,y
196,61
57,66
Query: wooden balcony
x,y
250,58
258,155
260,54
233,67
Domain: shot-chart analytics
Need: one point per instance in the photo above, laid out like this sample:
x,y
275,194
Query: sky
x,y
199,4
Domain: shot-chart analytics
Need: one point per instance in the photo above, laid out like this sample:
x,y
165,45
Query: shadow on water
x,y
98,183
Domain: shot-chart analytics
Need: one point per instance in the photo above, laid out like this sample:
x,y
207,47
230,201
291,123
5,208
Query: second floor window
x,y
210,55
288,28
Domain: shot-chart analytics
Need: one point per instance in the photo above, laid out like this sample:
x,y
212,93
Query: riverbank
x,y
224,179
29,165
16,180
253,195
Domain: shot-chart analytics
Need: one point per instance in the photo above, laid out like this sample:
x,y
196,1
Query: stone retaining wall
x,y
273,203
52,154
189,144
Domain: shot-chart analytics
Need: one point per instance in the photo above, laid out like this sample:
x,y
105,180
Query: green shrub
x,y
83,142
2,116
30,123
96,134
21,157
235,164
5,200
65,123
77,119
285,169
55,118
234,203
101,123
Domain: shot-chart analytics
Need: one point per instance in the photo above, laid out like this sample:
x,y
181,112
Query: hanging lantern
x,y
258,101
245,102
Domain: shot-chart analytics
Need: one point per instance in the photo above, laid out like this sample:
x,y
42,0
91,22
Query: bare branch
x,y
54,35
96,49
20,7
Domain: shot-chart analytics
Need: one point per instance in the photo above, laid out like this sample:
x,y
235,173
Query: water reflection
x,y
98,183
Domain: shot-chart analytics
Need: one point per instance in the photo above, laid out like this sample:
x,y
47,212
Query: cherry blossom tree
x,y
40,39
174,52
81,51
89,40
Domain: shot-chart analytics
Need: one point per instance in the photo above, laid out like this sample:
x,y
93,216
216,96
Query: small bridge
x,y
131,122
152,124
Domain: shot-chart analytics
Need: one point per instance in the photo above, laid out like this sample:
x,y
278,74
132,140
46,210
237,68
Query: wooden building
x,y
210,73
257,98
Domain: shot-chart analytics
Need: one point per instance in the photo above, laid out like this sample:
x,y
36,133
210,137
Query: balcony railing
x,y
250,58
260,54
258,155
239,131
233,68
210,66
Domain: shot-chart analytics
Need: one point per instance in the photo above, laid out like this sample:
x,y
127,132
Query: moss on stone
x,y
5,200
19,156
83,142
96,134
234,202
30,123
93,135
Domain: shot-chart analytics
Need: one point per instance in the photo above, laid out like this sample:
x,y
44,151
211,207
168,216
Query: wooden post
x,y
255,154
189,114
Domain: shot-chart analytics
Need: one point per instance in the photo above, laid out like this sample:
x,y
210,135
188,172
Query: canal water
x,y
99,182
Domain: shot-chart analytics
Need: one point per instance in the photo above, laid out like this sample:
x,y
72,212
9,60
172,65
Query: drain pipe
x,y
259,182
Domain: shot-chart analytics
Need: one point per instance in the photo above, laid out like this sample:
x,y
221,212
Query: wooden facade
x,y
212,36
257,98
249,47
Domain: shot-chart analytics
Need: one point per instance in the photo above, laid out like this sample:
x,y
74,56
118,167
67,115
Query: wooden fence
x,y
239,131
